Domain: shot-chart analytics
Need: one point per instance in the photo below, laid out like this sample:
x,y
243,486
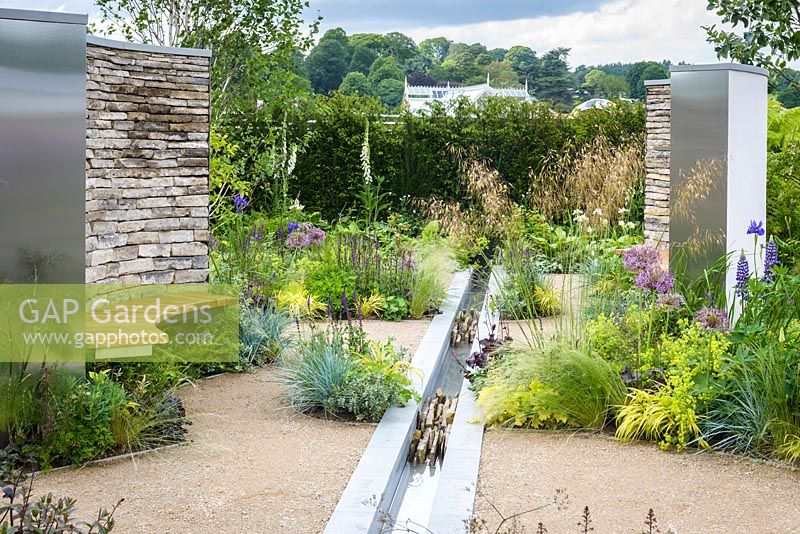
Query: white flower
x,y
630,225
590,230
603,222
576,212
296,205
623,211
581,219
597,211
621,223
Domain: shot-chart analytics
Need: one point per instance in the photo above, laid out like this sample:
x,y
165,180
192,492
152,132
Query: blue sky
x,y
598,31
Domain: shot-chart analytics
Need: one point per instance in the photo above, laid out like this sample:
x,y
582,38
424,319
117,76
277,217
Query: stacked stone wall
x,y
147,165
657,164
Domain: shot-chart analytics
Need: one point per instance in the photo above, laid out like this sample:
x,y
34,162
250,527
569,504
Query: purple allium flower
x,y
240,203
671,300
304,235
770,260
713,319
756,228
316,236
655,279
742,274
640,258
292,227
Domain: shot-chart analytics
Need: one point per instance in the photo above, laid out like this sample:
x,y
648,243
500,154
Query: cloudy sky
x,y
597,31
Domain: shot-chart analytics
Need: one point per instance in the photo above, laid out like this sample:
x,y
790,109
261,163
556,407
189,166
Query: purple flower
x,y
240,203
742,274
713,319
655,279
257,236
408,264
671,300
640,258
292,227
770,260
756,228
304,235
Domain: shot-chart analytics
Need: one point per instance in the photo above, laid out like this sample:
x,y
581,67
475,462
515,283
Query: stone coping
x,y
43,16
719,66
137,47
372,486
649,83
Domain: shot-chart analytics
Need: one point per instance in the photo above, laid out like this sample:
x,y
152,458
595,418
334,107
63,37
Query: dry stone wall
x,y
147,164
657,161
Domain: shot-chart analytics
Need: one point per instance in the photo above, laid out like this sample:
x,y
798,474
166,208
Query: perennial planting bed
x,y
251,464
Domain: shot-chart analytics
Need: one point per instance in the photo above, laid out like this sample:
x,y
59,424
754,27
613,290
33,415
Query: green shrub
x,y
82,429
395,309
556,386
339,372
783,202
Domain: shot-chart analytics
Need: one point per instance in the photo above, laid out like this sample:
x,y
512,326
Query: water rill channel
x,y
413,502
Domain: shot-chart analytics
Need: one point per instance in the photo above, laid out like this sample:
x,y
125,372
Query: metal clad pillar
x,y
42,147
718,163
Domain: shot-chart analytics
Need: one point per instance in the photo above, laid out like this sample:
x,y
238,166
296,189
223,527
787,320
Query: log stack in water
x,y
465,327
434,422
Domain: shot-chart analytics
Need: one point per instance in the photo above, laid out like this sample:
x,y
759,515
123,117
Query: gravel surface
x,y
252,466
694,493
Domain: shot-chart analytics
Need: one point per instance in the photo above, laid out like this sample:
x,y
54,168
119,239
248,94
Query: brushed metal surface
x,y
42,151
698,192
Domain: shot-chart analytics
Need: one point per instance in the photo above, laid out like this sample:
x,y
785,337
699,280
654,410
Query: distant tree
x,y
390,91
400,46
499,54
385,68
553,80
635,76
600,84
420,78
374,41
524,62
484,58
435,49
765,33
458,66
253,42
328,61
502,74
355,83
789,97
362,59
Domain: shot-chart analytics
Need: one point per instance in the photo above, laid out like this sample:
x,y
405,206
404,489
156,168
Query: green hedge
x,y
413,153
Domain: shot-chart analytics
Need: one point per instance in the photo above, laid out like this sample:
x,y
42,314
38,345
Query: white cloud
x,y
623,30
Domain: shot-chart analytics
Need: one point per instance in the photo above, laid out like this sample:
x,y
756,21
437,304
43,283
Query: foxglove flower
x,y
770,260
742,274
240,203
713,319
756,228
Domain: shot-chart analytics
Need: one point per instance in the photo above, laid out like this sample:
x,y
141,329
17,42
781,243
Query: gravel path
x,y
693,493
252,466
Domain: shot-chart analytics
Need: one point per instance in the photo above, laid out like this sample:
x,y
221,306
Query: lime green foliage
x,y
339,372
783,127
225,177
693,367
783,201
395,309
556,386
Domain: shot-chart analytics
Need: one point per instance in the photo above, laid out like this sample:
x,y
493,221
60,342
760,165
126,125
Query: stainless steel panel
x,y
42,151
698,161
